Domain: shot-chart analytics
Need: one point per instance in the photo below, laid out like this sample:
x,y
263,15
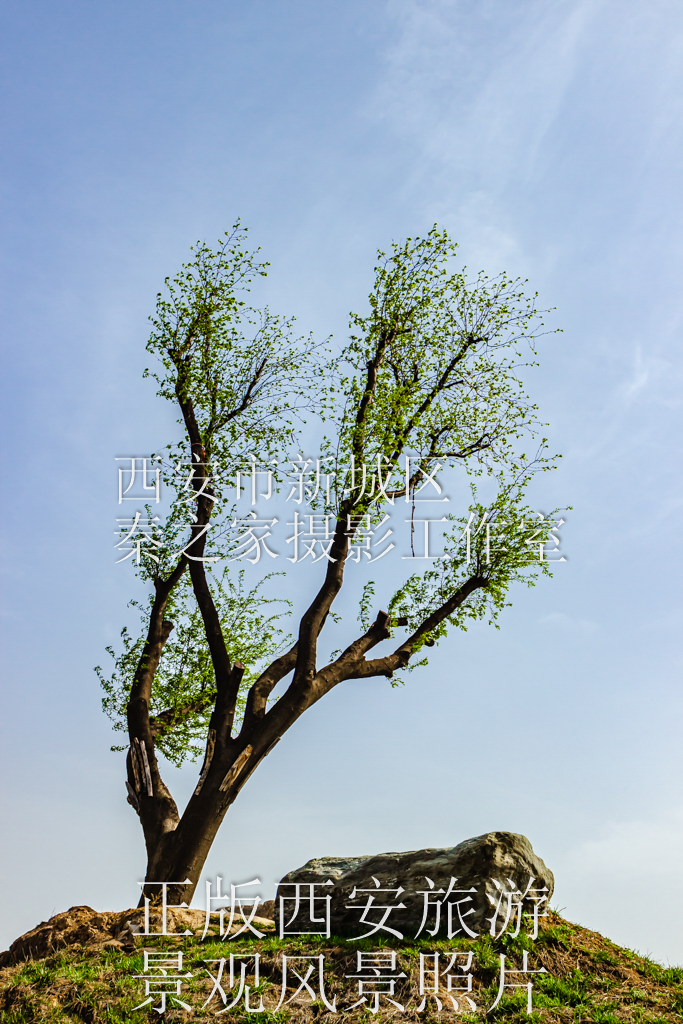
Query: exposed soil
x,y
81,966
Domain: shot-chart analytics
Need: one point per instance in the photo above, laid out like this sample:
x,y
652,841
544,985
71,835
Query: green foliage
x,y
365,605
498,543
431,374
242,367
184,686
445,353
246,375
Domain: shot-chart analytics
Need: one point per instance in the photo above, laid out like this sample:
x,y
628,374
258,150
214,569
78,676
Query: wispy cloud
x,y
568,623
623,879
474,90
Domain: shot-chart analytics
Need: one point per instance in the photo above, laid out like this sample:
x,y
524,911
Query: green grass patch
x,y
589,980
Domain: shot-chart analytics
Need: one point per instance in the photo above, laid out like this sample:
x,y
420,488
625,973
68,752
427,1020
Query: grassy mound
x,y
589,979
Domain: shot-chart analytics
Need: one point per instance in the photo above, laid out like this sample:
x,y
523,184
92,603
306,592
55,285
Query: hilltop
x,y
588,979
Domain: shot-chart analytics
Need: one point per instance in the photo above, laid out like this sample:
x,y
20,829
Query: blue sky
x,y
547,139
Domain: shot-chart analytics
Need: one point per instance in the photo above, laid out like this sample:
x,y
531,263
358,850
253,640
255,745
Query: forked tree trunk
x,y
177,846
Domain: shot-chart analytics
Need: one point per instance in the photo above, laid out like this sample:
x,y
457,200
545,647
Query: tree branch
x,y
447,608
155,805
158,724
313,619
257,698
401,656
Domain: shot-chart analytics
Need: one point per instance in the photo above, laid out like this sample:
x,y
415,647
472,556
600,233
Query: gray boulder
x,y
469,881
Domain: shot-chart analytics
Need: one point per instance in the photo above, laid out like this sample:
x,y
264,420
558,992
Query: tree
x,y
429,381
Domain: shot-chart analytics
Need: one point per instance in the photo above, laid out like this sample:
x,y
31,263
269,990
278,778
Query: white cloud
x,y
568,623
480,89
624,883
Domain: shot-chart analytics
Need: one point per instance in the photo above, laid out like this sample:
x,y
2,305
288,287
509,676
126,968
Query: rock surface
x,y
480,863
100,930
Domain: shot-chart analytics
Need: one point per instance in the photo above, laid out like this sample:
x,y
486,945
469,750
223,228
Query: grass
x,y
589,980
